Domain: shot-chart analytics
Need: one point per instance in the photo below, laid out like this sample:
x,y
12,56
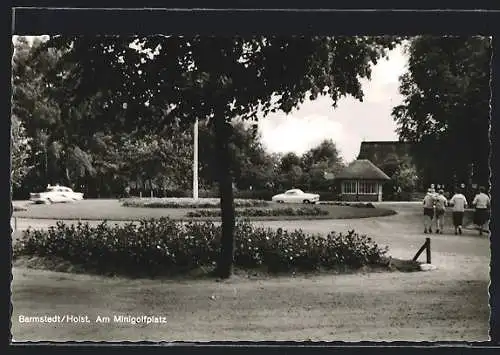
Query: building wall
x,y
373,197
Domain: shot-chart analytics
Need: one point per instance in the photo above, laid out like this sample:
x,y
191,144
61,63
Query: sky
x,y
349,123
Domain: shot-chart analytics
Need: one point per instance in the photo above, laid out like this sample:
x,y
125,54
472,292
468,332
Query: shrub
x,y
259,212
162,246
187,203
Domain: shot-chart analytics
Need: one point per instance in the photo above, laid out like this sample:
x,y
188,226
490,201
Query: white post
x,y
195,160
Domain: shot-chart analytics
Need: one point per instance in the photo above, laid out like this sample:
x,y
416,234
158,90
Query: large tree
x,y
31,108
216,79
446,93
48,119
20,152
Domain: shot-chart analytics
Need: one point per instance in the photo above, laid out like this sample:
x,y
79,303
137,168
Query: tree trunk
x,y
225,262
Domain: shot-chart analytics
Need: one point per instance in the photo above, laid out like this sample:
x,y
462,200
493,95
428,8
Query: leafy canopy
x,y
148,81
446,105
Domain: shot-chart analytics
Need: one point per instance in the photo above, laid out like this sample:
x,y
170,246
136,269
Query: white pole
x,y
195,160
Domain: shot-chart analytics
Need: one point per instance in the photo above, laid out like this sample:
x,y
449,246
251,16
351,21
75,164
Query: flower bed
x,y
261,212
181,202
165,247
19,208
348,204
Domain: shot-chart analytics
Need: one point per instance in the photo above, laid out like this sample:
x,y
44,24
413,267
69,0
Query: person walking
x,y
481,205
459,203
428,211
440,203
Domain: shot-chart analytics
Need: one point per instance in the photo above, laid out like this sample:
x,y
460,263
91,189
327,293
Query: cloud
x,y
349,123
298,134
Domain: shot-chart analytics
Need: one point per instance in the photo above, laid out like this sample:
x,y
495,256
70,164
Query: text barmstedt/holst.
x,y
78,318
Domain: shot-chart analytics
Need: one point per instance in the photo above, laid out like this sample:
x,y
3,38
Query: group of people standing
x,y
435,204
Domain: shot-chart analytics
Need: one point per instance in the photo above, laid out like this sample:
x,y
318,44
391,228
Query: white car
x,y
54,194
295,196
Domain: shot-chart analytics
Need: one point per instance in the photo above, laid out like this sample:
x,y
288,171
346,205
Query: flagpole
x,y
195,160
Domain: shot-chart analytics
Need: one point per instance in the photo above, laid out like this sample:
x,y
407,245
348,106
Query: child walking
x,y
440,203
459,203
428,210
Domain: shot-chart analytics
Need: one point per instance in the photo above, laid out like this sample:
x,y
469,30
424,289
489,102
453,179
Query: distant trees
x,y
251,166
319,161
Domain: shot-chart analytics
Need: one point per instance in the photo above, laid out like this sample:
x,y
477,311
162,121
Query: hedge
x,y
349,204
17,208
260,212
164,247
260,194
187,203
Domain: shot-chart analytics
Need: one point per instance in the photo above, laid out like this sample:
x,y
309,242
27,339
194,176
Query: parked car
x,y
55,194
295,196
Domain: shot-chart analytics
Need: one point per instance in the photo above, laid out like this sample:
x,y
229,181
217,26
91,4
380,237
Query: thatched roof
x,y
362,169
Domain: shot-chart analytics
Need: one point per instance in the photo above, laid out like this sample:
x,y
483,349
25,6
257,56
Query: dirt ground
x,y
448,304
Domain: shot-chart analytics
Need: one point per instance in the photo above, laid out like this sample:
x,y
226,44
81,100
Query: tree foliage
x,y
406,177
180,79
56,129
319,161
446,106
20,152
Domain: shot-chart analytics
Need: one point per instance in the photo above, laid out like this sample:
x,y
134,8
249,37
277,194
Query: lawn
x,y
113,210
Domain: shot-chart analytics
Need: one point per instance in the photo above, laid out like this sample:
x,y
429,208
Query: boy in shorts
x,y
440,203
428,211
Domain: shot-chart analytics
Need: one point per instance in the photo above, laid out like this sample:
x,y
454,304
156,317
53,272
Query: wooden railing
x,y
427,247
